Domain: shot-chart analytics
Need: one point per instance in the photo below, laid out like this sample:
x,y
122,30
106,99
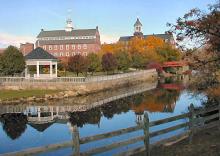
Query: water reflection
x,y
40,117
129,103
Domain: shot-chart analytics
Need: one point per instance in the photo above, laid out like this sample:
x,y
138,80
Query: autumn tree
x,y
168,53
123,60
137,60
94,63
203,29
78,64
12,62
109,62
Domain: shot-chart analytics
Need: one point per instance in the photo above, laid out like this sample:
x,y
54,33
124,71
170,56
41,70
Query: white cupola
x,y
69,25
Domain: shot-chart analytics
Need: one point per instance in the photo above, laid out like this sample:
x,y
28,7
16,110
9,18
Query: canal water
x,y
25,126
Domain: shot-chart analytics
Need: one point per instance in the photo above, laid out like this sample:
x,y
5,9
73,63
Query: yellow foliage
x,y
147,47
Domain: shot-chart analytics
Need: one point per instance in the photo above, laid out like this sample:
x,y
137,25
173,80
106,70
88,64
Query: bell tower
x,y
69,23
138,28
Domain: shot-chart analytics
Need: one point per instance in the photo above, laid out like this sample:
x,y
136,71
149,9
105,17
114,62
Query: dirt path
x,y
205,143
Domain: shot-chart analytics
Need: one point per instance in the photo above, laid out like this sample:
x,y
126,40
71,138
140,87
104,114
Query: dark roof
x,y
73,41
137,23
40,53
163,36
77,32
41,127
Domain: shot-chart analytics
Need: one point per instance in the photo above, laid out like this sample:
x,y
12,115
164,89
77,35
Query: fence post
x,y
76,141
219,115
191,122
146,134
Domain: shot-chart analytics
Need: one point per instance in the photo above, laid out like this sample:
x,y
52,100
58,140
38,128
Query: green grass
x,y
16,94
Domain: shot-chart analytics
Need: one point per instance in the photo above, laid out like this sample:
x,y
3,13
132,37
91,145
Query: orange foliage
x,y
146,46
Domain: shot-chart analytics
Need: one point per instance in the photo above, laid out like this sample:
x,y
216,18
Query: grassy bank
x,y
15,94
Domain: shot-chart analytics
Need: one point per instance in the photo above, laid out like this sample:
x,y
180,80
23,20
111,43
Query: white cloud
x,y
108,38
15,40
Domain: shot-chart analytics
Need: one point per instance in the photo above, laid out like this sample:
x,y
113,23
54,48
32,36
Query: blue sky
x,y
21,20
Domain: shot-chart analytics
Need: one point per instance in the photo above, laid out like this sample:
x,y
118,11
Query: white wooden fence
x,y
14,80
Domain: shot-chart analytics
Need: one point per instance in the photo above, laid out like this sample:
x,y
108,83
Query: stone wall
x,y
85,87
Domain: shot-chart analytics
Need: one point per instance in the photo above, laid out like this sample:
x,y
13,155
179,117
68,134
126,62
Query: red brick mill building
x,y
68,42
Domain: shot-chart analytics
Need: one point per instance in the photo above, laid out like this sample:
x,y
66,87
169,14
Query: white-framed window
x,y
61,47
78,53
73,46
55,47
84,46
45,47
67,47
67,54
85,53
50,47
61,53
73,53
79,46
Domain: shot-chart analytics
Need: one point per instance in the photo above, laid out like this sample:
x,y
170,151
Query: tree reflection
x,y
115,107
92,116
14,124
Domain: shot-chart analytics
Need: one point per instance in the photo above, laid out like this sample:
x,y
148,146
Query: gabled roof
x,y
63,33
163,36
41,127
39,53
137,23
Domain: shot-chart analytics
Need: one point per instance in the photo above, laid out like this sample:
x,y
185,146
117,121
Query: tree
x,y
78,64
168,53
13,61
123,60
1,64
203,29
137,60
109,62
94,62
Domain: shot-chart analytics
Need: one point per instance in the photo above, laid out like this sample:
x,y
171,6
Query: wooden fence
x,y
20,80
195,120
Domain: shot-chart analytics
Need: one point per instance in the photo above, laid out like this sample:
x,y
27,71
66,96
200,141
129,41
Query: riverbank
x,y
204,143
71,89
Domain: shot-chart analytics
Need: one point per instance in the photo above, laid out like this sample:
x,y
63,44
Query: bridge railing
x,y
195,120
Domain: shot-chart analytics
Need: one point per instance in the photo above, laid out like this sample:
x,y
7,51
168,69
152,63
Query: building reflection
x,y
15,119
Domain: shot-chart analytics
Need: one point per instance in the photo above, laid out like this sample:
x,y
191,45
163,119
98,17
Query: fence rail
x,y
13,80
195,120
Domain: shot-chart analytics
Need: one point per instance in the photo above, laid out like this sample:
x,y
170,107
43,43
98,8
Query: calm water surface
x,y
26,126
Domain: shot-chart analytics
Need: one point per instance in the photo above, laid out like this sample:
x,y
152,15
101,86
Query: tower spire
x,y
138,28
69,23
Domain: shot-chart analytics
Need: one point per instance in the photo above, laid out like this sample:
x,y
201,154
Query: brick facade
x,y
69,42
26,48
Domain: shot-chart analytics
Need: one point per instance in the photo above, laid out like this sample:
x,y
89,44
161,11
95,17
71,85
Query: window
x,y
79,46
61,47
55,54
84,46
85,53
73,53
45,47
67,54
55,47
73,46
61,54
67,47
50,47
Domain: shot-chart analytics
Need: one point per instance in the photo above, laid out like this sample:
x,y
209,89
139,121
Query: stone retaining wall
x,y
84,87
